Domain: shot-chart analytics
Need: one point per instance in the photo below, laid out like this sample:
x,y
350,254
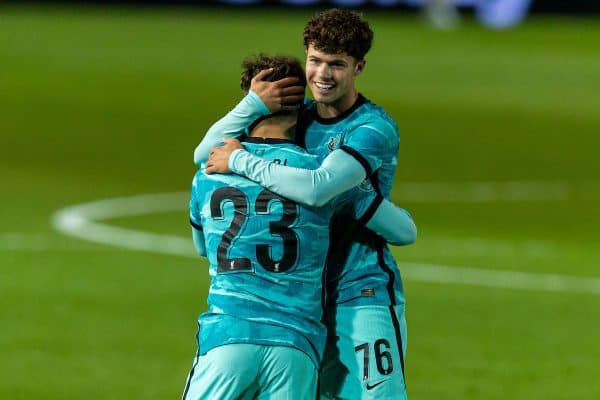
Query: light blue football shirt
x,y
267,256
360,267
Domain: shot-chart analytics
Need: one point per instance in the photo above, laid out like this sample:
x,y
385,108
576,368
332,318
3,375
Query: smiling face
x,y
336,43
330,78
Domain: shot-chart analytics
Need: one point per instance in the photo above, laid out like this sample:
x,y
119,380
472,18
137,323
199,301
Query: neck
x,y
270,129
332,110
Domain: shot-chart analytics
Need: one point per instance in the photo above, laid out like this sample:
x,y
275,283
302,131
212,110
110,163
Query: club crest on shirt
x,y
366,186
333,142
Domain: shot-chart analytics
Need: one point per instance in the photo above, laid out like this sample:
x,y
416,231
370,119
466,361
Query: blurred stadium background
x,y
498,164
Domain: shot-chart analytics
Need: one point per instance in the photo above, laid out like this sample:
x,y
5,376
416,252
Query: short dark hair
x,y
283,67
336,31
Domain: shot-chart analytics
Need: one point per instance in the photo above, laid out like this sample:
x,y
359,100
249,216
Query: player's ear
x,y
360,66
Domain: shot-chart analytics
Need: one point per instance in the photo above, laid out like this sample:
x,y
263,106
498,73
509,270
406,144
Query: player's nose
x,y
324,71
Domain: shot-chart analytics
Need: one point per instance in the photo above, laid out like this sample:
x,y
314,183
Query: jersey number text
x,y
261,207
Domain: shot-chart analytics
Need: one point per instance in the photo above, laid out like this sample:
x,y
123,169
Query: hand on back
x,y
218,161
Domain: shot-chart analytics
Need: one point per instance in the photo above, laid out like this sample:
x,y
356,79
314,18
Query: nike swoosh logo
x,y
369,387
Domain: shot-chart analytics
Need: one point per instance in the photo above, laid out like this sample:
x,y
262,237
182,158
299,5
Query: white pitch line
x,y
482,192
84,221
485,192
500,279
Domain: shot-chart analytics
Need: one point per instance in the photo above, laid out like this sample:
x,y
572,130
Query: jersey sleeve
x,y
199,242
196,221
232,125
338,173
372,143
383,217
195,216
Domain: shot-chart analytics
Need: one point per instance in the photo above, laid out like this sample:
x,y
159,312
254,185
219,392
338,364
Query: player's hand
x,y
284,94
218,161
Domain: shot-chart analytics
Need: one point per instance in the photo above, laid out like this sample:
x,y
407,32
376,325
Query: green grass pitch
x,y
498,165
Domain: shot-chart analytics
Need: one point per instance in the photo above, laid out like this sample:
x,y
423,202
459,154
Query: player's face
x,y
330,77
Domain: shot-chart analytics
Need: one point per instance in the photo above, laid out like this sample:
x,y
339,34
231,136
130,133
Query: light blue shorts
x,y
363,359
250,371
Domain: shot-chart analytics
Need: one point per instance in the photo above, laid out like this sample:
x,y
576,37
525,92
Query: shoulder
x,y
198,177
300,158
372,123
284,152
203,183
377,131
376,117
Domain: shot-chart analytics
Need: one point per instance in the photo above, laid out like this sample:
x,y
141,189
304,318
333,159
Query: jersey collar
x,y
330,121
261,140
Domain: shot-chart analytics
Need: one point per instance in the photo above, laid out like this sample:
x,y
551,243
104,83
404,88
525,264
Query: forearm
x,y
391,222
199,243
338,173
231,125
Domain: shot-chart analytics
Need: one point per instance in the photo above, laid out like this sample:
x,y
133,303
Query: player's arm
x,y
263,98
232,125
196,220
392,223
340,171
199,243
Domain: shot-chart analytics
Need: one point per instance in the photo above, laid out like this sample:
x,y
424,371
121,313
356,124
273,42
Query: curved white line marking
x,y
83,221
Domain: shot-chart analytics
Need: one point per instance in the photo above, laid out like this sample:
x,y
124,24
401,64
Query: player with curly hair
x,y
253,341
263,335
358,143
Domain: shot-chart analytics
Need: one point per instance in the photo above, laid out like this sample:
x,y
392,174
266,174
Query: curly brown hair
x,y
336,31
283,67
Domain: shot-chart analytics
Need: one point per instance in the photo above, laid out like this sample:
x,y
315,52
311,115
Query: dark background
x,y
574,7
